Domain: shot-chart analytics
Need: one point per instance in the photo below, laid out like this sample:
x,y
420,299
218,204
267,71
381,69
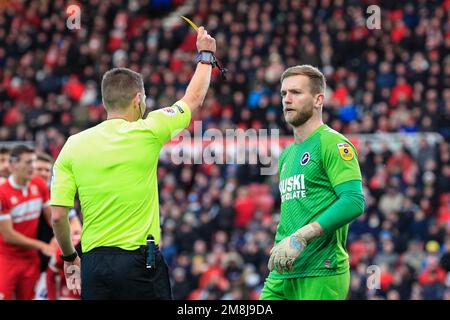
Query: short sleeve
x,y
63,186
167,122
340,159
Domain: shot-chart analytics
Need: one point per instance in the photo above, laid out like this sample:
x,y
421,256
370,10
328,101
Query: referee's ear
x,y
137,100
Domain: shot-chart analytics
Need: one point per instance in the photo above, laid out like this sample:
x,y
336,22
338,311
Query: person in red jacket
x,y
244,207
433,272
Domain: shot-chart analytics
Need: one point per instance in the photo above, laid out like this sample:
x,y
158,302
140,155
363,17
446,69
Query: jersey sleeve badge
x,y
345,151
168,111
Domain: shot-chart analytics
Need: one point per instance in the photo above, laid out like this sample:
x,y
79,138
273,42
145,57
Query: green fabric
x,y
348,206
311,288
113,166
309,172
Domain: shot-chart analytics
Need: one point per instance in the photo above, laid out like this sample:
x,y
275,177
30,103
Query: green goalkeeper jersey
x,y
309,172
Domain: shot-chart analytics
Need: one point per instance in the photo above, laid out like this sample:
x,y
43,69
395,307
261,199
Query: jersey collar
x,y
15,185
312,134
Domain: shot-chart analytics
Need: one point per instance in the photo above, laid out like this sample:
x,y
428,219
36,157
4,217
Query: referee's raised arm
x,y
198,87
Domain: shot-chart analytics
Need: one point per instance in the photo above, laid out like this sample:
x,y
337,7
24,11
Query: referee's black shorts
x,y
116,274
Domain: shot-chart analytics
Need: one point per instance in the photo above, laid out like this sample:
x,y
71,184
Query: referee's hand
x,y
205,41
72,271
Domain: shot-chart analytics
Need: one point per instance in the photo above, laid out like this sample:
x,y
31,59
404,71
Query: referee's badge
x,y
345,151
168,111
305,158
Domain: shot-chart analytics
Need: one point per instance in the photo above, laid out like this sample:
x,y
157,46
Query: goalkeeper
x,y
321,193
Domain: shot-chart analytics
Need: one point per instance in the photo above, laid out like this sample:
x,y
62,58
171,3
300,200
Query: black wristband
x,y
70,258
206,57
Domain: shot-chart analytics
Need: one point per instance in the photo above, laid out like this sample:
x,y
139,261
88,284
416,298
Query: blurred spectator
x,y
244,207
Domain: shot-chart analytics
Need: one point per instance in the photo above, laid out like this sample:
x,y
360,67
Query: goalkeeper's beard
x,y
300,116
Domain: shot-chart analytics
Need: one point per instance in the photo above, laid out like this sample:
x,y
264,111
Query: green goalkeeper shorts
x,y
311,288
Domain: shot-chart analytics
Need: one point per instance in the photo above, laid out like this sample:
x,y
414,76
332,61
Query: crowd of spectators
x,y
219,221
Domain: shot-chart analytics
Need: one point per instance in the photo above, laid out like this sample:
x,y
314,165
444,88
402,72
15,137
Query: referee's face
x,y
297,99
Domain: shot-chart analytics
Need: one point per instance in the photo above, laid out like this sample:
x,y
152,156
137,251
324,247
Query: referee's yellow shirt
x,y
113,166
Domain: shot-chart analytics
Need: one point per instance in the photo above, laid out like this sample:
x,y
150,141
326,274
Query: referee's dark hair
x,y
119,86
19,150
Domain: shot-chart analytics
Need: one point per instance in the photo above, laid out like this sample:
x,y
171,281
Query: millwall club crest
x,y
305,158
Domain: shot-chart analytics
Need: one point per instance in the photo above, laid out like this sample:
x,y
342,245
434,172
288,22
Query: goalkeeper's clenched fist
x,y
283,255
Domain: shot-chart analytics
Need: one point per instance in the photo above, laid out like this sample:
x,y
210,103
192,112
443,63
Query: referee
x,y
113,167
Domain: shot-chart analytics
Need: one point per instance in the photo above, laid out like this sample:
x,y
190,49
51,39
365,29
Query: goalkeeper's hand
x,y
284,254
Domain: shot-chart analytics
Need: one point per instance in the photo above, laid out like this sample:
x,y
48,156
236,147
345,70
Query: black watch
x,y
70,258
206,57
